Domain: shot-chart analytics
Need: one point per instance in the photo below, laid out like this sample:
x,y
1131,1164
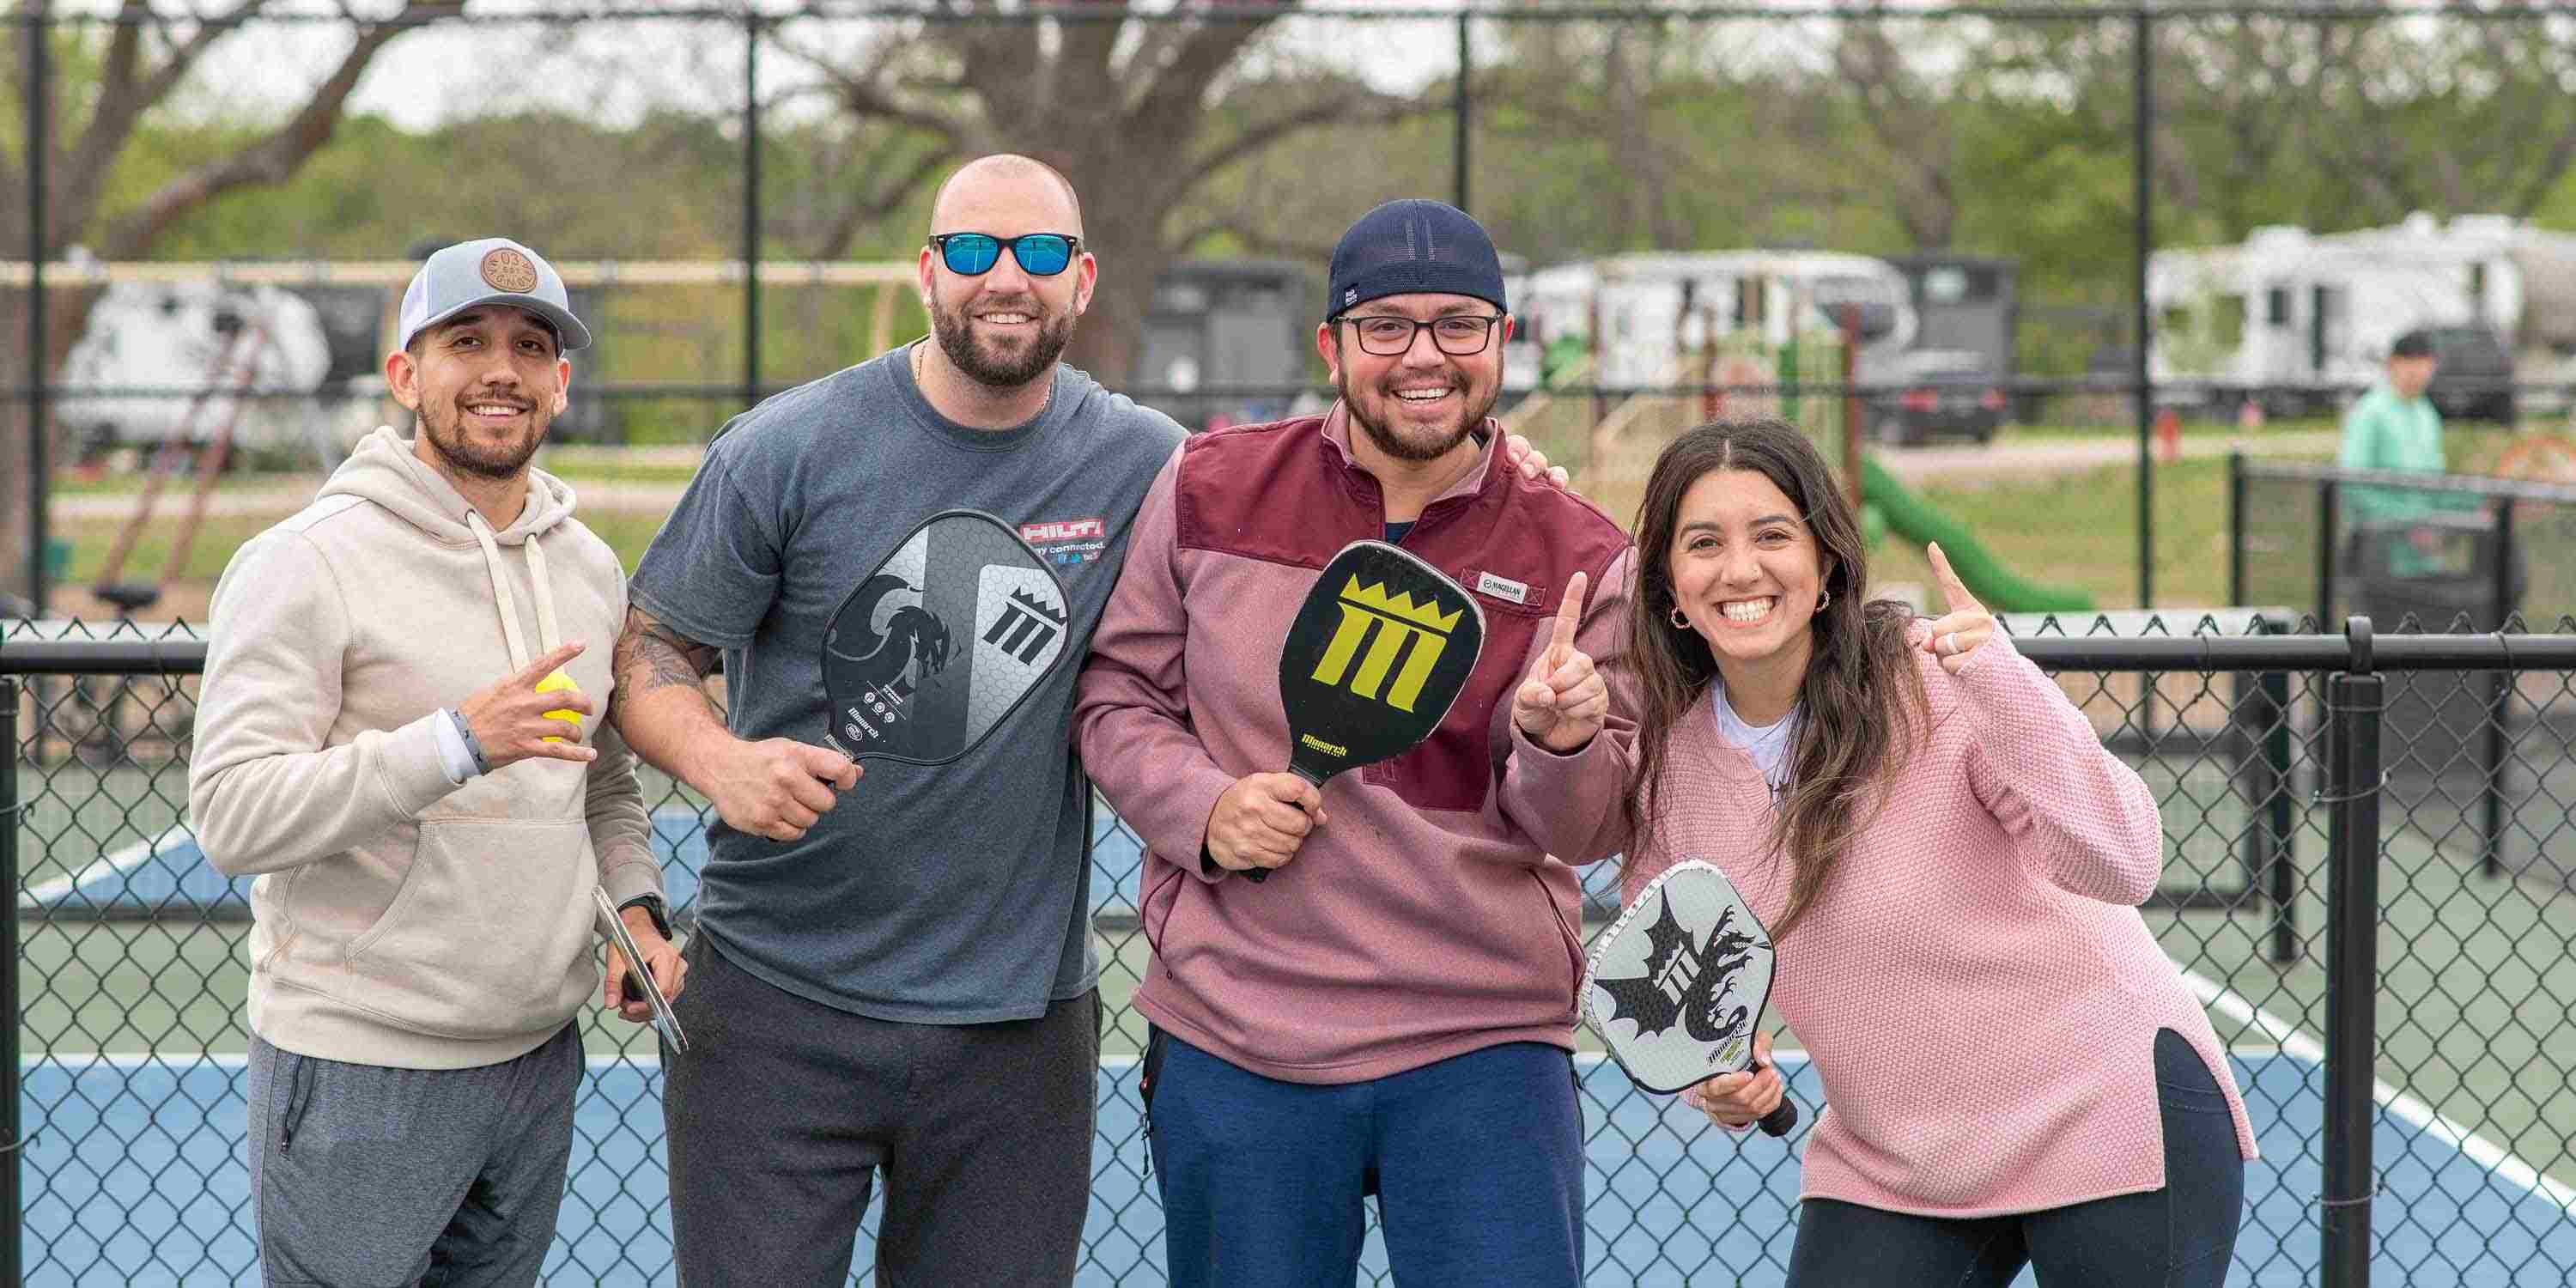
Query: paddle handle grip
x,y
1260,875
1784,1116
1780,1120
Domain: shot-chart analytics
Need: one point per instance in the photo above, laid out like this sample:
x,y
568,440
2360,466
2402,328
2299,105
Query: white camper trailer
x,y
2301,321
1642,313
179,361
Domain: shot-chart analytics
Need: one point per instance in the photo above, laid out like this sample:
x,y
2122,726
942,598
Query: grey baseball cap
x,y
493,270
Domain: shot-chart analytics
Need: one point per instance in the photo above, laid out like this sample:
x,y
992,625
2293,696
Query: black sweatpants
x,y
784,1109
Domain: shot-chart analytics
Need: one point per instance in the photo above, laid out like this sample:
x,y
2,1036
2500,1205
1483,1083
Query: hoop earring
x,y
1680,622
1823,598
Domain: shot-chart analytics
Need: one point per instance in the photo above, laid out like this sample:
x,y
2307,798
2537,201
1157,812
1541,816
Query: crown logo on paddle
x,y
1400,605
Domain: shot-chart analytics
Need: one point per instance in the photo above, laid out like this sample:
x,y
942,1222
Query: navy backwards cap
x,y
1412,246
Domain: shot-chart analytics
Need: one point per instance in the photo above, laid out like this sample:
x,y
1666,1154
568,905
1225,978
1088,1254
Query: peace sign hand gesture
x,y
1564,702
1957,633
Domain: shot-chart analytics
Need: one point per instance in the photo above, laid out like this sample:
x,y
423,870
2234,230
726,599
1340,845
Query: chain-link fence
x,y
2424,1127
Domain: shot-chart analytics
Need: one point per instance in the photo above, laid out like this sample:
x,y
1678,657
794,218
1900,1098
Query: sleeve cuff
x,y
453,755
630,877
1201,794
409,765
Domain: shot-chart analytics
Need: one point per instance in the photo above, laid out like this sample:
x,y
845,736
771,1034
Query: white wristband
x,y
453,755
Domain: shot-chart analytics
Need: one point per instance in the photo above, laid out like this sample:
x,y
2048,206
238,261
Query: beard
x,y
996,364
500,460
1418,444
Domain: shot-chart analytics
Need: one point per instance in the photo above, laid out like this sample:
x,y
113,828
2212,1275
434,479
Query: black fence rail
x,y
2446,550
2381,931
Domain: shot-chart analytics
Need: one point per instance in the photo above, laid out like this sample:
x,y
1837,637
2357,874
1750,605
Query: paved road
x,y
2009,456
2024,457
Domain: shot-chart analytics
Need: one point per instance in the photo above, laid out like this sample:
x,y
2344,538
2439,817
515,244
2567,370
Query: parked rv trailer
x,y
295,369
2300,322
1639,315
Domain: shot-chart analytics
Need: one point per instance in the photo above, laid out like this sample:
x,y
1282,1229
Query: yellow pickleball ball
x,y
553,681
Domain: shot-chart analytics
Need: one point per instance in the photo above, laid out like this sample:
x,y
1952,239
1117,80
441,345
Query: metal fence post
x,y
2261,717
39,34
2499,687
2328,502
2352,965
12,1139
2284,837
1464,113
2236,528
750,209
2143,111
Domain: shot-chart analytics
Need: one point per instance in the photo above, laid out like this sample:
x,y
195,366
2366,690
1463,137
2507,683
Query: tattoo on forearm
x,y
652,656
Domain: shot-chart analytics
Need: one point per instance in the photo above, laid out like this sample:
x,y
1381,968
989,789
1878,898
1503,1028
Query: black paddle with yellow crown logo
x,y
1376,655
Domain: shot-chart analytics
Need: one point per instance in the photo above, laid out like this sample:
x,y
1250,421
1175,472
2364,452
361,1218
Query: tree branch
x,y
863,96
276,157
1203,53
121,104
836,240
1372,109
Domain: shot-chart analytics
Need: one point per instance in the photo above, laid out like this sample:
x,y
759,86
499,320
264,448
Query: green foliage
x,y
1986,137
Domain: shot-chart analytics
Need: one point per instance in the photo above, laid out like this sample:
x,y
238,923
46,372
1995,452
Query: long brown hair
x,y
1862,698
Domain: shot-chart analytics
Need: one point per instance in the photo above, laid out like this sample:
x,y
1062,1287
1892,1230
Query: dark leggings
x,y
2176,1237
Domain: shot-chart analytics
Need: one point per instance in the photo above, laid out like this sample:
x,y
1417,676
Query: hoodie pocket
x,y
485,935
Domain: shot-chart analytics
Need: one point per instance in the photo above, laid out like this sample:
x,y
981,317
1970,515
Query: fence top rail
x,y
393,273
2461,484
178,654
778,11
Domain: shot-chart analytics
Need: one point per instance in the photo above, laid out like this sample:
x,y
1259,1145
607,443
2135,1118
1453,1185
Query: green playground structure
x,y
1914,519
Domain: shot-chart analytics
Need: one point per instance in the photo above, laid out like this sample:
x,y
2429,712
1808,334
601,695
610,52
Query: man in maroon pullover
x,y
1393,1011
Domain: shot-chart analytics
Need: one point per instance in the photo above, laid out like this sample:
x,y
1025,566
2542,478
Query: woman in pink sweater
x,y
1950,864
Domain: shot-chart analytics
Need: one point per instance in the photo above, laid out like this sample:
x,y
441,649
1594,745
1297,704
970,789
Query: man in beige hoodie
x,y
426,823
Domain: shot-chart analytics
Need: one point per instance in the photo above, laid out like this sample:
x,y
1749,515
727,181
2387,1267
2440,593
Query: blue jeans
x,y
1477,1162
2180,1236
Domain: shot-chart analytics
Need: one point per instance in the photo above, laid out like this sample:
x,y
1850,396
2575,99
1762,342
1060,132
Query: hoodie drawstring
x,y
509,603
548,635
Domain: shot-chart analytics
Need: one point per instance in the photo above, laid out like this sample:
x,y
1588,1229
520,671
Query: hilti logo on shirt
x,y
1062,530
1067,543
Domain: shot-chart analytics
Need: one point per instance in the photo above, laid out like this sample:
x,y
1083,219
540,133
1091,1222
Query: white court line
x,y
2486,1153
53,889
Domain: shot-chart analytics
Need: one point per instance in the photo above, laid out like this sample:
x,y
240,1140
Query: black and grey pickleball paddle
x,y
938,644
1676,986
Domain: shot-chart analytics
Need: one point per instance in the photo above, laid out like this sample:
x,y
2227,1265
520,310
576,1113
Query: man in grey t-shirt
x,y
895,975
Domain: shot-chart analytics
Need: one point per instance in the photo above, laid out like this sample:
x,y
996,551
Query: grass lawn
x,y
2081,530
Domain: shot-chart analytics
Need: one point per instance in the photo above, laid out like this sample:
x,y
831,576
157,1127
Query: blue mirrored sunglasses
x,y
975,254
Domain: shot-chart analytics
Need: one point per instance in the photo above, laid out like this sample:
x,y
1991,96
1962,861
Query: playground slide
x,y
1914,519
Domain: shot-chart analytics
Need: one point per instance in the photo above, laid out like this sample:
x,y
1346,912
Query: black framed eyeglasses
x,y
1459,335
975,254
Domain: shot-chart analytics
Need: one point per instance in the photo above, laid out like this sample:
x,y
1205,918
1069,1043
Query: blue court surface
x,y
136,1175
170,874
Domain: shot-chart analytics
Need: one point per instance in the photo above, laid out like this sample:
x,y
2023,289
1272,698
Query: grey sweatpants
x,y
784,1109
372,1177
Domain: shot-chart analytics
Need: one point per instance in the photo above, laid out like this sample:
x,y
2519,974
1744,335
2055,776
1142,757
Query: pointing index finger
x,y
1569,614
1951,587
